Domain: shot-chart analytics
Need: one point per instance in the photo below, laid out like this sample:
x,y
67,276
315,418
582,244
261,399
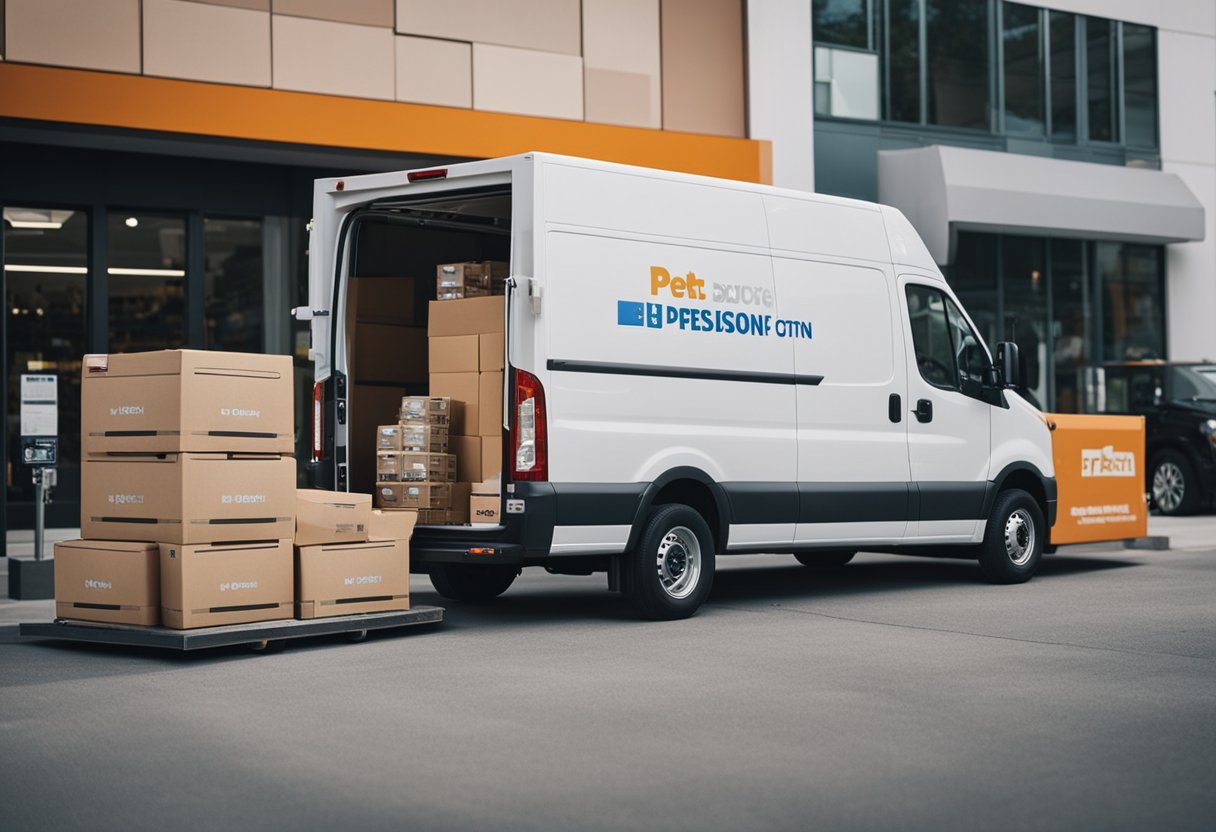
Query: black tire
x,y
827,559
668,575
468,582
1173,484
1015,516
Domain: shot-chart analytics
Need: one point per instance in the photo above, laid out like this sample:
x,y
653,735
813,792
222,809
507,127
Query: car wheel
x,y
1174,486
1013,541
669,573
828,559
466,582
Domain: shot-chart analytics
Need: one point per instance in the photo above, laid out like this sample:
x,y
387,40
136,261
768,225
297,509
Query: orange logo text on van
x,y
690,286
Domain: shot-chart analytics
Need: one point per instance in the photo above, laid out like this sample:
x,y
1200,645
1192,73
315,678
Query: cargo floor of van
x,y
263,635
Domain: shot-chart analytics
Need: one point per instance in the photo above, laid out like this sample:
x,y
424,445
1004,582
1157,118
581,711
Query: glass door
x,y
147,281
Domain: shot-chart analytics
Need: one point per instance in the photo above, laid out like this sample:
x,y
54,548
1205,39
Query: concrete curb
x,y
1153,543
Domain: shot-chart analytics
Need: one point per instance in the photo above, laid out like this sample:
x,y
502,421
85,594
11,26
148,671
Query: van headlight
x,y
1208,429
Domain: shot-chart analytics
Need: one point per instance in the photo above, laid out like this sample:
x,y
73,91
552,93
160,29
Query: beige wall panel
x,y
204,42
529,83
332,58
547,25
434,71
253,5
703,66
620,47
363,12
94,34
2,46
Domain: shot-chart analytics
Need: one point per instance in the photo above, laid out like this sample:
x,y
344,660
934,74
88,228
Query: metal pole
x,y
39,512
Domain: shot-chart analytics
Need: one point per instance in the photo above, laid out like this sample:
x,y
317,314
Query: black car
x,y
1178,401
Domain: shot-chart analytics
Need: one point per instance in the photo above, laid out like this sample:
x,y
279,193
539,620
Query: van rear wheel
x,y
1013,541
467,582
827,559
669,573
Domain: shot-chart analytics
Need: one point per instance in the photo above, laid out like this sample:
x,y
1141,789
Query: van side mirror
x,y
1009,362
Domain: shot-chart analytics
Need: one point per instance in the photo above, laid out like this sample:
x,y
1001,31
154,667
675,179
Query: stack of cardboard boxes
x,y
414,470
189,509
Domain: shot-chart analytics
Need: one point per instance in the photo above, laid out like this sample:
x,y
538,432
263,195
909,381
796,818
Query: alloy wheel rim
x,y
678,562
1019,537
1168,486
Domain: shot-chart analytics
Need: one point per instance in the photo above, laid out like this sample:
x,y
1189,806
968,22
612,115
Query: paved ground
x,y
893,694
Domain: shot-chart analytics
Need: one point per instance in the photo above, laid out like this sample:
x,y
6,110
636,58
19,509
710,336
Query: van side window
x,y
931,336
969,354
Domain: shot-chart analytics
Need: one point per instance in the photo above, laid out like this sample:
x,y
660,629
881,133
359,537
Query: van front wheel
x,y
669,573
466,582
1013,541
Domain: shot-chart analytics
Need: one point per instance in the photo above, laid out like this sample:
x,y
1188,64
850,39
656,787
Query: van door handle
x,y
924,410
895,408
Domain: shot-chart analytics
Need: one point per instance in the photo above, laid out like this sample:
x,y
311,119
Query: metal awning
x,y
944,189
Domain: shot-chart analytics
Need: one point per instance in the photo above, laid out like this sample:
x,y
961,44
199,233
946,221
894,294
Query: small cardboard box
x,y
491,458
454,353
489,404
210,585
391,524
331,516
462,389
188,497
388,466
471,316
350,578
431,439
423,467
187,400
477,274
414,495
427,410
484,508
467,450
459,513
467,292
491,352
107,580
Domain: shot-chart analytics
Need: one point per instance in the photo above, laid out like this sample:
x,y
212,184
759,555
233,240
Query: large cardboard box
x,y
349,578
188,497
489,404
470,316
467,450
414,495
388,353
459,512
187,400
383,300
331,517
463,389
491,352
454,354
491,458
225,583
391,524
484,508
104,580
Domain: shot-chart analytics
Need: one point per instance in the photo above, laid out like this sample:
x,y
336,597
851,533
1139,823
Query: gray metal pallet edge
x,y
258,633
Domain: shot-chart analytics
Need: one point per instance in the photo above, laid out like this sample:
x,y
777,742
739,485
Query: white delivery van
x,y
695,368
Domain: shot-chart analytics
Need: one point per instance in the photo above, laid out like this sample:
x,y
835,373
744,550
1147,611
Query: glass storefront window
x,y
973,276
46,274
1140,85
841,22
846,83
1100,68
1133,301
1063,27
234,290
957,61
1023,55
147,277
903,60
1024,275
1072,327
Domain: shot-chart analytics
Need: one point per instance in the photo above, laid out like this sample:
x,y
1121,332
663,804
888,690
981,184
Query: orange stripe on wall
x,y
142,103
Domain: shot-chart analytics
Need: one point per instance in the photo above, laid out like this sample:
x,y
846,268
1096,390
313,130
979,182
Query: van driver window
x,y
931,336
969,353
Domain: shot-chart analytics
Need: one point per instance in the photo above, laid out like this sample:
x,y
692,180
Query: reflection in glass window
x,y
972,276
1139,86
1025,303
1023,51
1063,28
931,336
1133,294
1100,67
1072,325
846,83
233,253
969,354
147,281
957,62
841,22
903,64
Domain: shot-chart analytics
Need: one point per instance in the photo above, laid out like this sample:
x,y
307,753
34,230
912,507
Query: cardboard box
x,y
491,352
387,353
459,512
102,580
210,585
454,353
489,404
428,410
484,508
467,450
187,400
350,578
412,437
188,497
388,466
370,407
468,292
391,524
434,517
331,517
383,300
488,487
414,495
471,316
423,467
462,389
491,458
483,275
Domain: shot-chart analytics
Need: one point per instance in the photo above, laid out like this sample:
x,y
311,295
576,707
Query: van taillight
x,y
529,437
318,423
